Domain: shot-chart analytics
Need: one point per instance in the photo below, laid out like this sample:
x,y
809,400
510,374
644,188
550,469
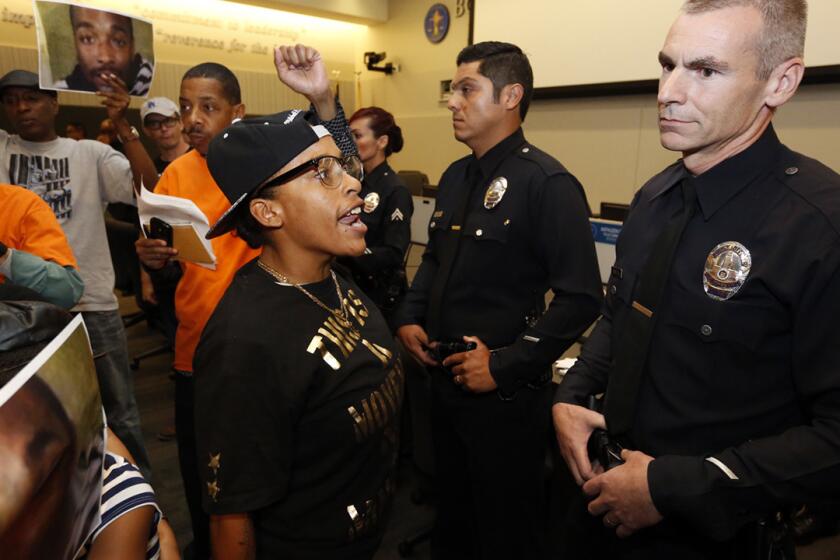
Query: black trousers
x,y
490,472
187,460
586,537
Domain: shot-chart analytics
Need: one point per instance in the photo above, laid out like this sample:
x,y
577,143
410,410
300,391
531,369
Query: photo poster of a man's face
x,y
79,46
52,443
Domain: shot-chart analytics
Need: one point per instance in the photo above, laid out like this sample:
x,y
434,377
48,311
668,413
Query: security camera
x,y
373,58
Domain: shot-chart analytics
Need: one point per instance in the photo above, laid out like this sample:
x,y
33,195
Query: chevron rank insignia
x,y
397,216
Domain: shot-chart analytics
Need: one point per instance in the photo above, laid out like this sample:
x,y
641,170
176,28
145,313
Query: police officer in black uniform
x,y
387,212
510,222
715,349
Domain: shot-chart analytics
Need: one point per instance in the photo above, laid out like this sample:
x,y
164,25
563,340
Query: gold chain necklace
x,y
341,313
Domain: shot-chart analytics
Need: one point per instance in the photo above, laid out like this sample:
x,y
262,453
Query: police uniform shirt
x,y
297,417
740,399
387,214
511,251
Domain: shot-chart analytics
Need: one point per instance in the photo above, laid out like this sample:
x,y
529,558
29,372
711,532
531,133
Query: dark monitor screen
x,y
614,211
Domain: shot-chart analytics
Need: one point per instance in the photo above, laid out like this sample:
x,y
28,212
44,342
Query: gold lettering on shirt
x,y
317,344
338,335
365,519
345,337
382,353
362,427
356,307
381,407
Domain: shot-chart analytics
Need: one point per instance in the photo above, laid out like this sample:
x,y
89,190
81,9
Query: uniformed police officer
x,y
715,349
510,222
387,211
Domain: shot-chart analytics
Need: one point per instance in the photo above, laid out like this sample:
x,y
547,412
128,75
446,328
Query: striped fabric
x,y
124,489
143,80
340,130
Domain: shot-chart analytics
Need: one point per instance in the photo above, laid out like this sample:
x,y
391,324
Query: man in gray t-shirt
x,y
77,179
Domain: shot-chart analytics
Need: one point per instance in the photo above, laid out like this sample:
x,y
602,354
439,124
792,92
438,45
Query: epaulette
x,y
548,164
815,182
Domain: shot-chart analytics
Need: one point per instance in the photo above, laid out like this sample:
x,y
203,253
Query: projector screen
x,y
592,42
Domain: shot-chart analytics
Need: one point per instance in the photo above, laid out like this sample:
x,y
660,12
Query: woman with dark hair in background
x,y
298,385
380,271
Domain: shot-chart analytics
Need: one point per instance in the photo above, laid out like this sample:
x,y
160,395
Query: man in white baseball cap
x,y
162,123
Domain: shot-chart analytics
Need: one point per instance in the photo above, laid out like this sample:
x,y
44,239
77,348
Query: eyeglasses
x,y
168,122
331,170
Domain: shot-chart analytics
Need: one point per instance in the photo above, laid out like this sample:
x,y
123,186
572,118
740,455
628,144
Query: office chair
x,y
415,181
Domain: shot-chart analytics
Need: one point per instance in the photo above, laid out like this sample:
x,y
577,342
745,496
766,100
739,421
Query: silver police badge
x,y
495,192
726,270
371,202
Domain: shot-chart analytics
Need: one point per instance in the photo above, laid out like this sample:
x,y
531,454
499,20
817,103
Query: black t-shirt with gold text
x,y
297,416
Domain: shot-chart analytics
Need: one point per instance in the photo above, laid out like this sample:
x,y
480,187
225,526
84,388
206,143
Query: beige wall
x,y
611,144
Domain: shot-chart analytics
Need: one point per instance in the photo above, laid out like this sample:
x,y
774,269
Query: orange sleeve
x,y
41,235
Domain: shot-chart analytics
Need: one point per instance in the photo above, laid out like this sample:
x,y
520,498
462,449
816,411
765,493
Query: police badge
x,y
726,270
495,192
371,202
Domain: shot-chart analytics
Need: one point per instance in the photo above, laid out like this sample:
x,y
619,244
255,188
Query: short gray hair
x,y
783,34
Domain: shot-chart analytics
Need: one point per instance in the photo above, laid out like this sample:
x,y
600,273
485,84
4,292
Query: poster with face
x,y
51,448
79,45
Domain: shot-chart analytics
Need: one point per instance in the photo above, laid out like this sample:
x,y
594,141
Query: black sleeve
x,y
339,128
169,274
564,243
720,493
396,236
243,423
589,374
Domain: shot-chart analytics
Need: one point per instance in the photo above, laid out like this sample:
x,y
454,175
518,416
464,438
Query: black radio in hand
x,y
601,445
445,349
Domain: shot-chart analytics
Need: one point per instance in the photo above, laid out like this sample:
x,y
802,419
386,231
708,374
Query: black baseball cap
x,y
247,153
24,79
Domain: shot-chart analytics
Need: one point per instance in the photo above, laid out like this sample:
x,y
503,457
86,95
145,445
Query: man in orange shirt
x,y
34,252
210,100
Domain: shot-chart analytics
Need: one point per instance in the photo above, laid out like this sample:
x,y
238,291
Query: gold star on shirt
x,y
215,462
213,489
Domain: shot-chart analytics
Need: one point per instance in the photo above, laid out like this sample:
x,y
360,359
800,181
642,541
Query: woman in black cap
x,y
298,386
387,211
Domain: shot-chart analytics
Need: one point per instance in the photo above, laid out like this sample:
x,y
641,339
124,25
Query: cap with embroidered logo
x,y
249,152
158,106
